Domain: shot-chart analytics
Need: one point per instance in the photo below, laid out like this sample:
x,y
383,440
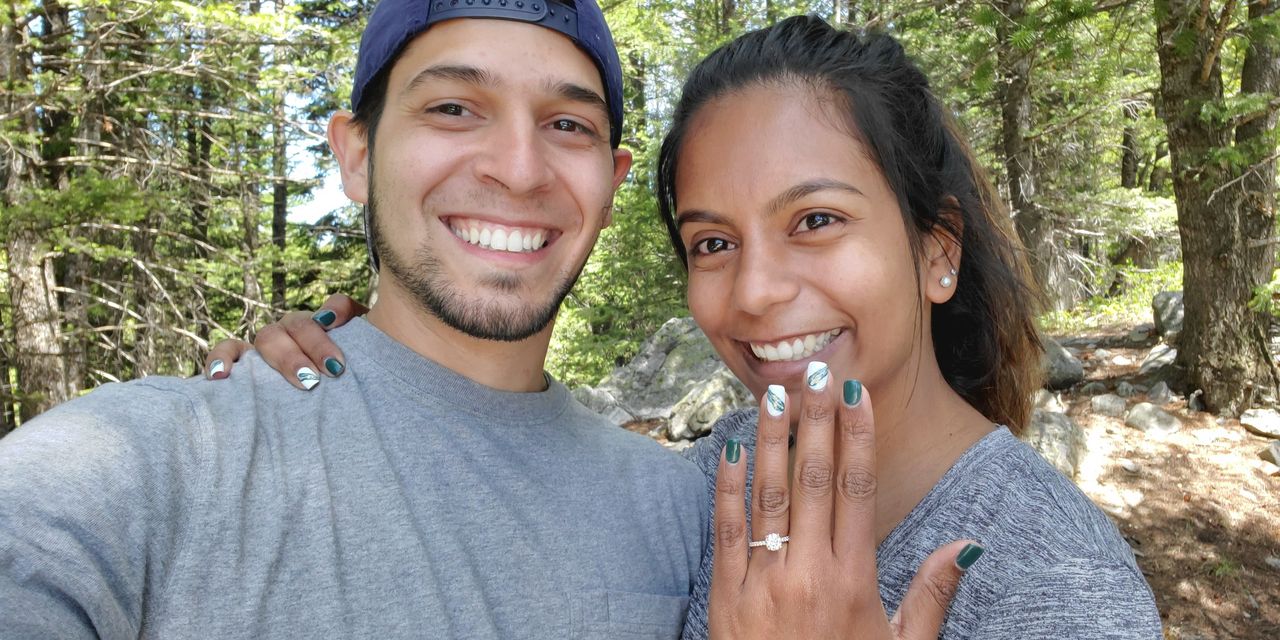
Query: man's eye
x,y
712,245
570,126
449,109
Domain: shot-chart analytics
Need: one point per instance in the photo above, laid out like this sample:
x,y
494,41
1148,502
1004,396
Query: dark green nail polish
x,y
732,451
968,556
852,392
325,317
334,367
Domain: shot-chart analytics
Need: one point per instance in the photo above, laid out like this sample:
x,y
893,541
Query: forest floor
x,y
1197,506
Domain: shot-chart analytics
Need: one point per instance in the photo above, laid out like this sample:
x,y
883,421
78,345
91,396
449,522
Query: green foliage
x,y
1131,308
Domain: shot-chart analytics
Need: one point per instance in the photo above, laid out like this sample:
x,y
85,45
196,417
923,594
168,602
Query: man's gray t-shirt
x,y
1055,566
399,500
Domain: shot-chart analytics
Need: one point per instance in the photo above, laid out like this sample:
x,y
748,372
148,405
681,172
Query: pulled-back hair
x,y
985,337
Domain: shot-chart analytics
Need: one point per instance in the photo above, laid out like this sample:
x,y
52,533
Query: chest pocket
x,y
598,615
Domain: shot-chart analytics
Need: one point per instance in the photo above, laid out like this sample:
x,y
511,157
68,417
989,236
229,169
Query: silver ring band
x,y
772,542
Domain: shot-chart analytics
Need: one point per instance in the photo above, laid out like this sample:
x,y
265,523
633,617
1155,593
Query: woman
x,y
835,226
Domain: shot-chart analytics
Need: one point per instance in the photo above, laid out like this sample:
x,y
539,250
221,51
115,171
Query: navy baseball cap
x,y
395,22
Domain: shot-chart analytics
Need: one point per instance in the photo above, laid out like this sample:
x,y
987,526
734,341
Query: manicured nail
x,y
775,400
732,451
852,392
817,375
325,317
334,367
217,370
308,378
968,556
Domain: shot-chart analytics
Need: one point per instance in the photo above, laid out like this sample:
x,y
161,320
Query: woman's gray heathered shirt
x,y
1055,566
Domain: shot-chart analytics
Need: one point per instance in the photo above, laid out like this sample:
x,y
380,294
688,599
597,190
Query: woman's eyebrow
x,y
806,188
699,215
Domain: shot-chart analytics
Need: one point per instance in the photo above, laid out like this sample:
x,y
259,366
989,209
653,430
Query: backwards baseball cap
x,y
395,22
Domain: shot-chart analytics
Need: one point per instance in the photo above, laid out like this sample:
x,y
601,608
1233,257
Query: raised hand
x,y
295,345
820,582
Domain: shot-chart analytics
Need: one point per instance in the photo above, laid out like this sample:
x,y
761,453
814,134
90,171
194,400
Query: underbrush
x,y
1131,307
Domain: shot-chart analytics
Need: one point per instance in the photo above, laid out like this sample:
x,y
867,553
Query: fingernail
x,y
852,392
817,375
775,400
334,367
325,317
968,556
308,378
216,370
732,451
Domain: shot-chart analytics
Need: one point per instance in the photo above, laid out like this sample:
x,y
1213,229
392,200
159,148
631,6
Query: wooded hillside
x,y
153,152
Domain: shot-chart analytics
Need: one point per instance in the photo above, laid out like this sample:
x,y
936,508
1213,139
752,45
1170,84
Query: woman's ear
x,y
943,252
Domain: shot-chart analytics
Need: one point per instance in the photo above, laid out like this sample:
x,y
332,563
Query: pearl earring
x,y
948,280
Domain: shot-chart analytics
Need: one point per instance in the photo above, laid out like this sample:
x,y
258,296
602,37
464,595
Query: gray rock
x,y
1061,369
1140,334
1108,404
1127,389
1158,365
1273,562
1263,422
1152,420
1129,465
1160,393
1093,388
1101,354
1195,400
1271,453
671,364
1057,438
1166,310
1046,400
1122,361
693,416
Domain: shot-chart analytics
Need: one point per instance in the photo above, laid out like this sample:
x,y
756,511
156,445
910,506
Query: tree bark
x,y
1225,210
1129,148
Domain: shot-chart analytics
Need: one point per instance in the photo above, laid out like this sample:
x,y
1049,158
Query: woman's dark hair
x,y
985,337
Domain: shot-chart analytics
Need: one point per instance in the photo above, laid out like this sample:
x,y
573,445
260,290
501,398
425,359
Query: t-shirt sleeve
x,y
82,491
1082,598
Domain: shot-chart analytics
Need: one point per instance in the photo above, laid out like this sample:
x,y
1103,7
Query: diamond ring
x,y
772,542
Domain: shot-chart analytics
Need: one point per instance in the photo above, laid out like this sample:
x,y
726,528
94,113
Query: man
x,y
444,487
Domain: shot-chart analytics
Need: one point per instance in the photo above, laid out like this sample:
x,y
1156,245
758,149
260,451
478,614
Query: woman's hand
x,y
295,345
822,582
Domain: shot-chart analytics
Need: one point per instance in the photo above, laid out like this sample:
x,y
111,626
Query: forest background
x,y
157,156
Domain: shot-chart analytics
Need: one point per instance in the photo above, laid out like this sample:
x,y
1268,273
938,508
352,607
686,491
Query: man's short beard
x,y
424,277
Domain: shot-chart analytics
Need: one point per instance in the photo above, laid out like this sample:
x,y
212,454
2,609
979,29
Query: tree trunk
x,y
279,201
1035,225
1225,211
1129,147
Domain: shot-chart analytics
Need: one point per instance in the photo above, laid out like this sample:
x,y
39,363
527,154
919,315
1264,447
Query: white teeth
x,y
794,349
500,239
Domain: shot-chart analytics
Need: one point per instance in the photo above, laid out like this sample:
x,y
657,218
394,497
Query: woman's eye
x,y
816,221
711,245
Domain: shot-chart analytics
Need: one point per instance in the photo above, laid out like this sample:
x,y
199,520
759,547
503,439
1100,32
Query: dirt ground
x,y
1198,508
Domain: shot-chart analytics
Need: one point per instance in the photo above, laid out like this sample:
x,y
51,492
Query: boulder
x,y
671,364
1061,369
1108,404
1152,420
1159,363
1056,437
1166,310
1263,422
1160,394
1093,388
1271,453
692,417
1046,400
1127,389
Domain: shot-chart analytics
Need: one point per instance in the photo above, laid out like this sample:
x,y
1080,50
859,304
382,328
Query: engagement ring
x,y
772,542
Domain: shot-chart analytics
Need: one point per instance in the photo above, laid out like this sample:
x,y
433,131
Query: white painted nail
x,y
216,367
775,400
308,378
817,375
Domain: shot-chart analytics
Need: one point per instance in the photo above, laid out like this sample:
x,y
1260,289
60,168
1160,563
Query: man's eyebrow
x,y
578,93
454,72
806,188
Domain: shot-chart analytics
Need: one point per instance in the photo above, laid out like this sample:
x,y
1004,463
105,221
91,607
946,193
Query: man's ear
x,y
350,146
943,252
622,160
